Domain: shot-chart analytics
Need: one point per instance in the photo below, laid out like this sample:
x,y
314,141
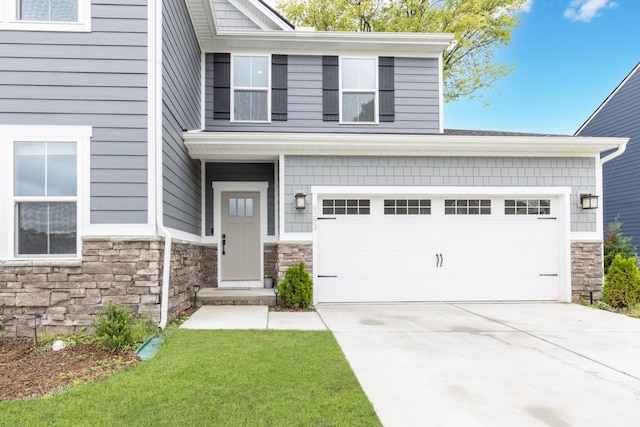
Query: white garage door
x,y
405,248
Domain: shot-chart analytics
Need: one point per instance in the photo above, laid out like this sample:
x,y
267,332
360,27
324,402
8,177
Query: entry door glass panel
x,y
240,252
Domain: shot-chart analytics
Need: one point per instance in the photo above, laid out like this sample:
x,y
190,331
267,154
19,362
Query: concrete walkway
x,y
252,317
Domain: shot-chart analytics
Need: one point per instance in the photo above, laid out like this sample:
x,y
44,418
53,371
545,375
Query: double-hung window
x,y
251,87
45,195
46,15
48,10
359,90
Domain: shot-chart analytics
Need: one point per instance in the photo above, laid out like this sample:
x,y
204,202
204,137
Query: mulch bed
x,y
34,371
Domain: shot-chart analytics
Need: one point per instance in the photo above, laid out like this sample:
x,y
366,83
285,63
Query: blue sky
x,y
568,55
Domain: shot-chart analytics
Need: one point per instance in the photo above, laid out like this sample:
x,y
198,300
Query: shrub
x,y
622,283
114,327
615,243
296,289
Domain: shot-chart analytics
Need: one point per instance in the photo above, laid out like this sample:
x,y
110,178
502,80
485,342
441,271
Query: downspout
x,y
155,136
621,149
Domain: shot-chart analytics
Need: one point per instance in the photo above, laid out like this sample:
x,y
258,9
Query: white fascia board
x,y
331,42
206,145
261,15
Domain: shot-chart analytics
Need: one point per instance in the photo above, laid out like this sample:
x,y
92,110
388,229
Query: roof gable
x,y
634,75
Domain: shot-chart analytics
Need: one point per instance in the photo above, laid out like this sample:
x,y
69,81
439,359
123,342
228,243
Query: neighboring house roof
x,y
609,98
470,132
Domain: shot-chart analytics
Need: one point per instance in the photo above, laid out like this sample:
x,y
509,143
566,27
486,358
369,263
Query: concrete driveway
x,y
492,364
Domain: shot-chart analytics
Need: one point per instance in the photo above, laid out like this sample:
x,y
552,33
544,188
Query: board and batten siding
x,y
416,100
96,79
620,117
303,172
180,111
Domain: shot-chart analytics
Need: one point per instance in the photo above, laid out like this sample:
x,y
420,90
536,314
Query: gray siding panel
x,y
180,110
230,18
620,117
416,85
302,172
97,79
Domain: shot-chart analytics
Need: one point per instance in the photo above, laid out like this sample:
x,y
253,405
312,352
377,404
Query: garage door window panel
x,y
407,207
346,207
467,207
527,207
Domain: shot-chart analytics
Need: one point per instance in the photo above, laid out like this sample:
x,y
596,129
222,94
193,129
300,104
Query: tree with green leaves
x,y
480,27
616,243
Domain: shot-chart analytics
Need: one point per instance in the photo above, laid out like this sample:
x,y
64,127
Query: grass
x,y
218,378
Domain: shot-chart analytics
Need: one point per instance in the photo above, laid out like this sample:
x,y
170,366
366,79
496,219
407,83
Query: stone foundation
x,y
120,271
586,267
292,253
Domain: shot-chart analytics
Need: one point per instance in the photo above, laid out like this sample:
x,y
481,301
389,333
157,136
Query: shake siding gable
x,y
96,79
180,111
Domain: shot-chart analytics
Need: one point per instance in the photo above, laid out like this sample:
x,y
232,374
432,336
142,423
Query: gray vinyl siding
x,y
303,172
416,100
94,79
620,117
230,18
247,172
180,110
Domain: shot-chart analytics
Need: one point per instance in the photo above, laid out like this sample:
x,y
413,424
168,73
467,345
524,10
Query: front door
x,y
240,240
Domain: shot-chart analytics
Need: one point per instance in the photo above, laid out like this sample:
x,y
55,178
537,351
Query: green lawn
x,y
218,378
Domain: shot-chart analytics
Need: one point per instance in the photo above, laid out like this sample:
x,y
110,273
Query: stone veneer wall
x,y
120,271
292,253
271,259
586,267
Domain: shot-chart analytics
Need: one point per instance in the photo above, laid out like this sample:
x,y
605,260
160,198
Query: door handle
x,y
224,242
439,259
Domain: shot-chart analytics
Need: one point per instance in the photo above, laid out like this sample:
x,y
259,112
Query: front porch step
x,y
221,296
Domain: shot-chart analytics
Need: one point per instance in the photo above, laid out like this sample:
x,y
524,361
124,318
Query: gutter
x,y
166,271
621,149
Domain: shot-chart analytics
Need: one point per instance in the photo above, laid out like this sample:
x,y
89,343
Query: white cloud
x,y
586,10
526,7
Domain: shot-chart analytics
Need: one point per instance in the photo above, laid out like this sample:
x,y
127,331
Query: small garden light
x,y
591,287
276,290
196,289
35,318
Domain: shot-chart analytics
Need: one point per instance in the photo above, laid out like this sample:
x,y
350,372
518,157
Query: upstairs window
x,y
48,10
359,90
250,85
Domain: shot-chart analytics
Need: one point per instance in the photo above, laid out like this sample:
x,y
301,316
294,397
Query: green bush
x,y
622,283
117,327
615,243
296,290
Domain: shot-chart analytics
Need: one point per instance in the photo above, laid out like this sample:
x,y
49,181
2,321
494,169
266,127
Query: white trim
x,y
585,236
606,101
296,237
268,13
214,145
9,134
154,106
440,94
280,204
249,88
376,90
203,90
94,230
9,19
220,187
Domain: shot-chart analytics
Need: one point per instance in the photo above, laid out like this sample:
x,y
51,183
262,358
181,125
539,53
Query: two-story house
x,y
149,145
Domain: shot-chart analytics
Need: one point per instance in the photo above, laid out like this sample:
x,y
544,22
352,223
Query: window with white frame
x,y
48,10
45,198
359,90
46,15
250,85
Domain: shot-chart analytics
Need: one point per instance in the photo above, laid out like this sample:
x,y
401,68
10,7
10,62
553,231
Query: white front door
x,y
240,251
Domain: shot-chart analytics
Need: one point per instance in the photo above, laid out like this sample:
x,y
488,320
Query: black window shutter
x,y
222,86
386,88
279,87
330,89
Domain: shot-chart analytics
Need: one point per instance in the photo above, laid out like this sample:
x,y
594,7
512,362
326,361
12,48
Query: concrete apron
x,y
251,317
492,364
